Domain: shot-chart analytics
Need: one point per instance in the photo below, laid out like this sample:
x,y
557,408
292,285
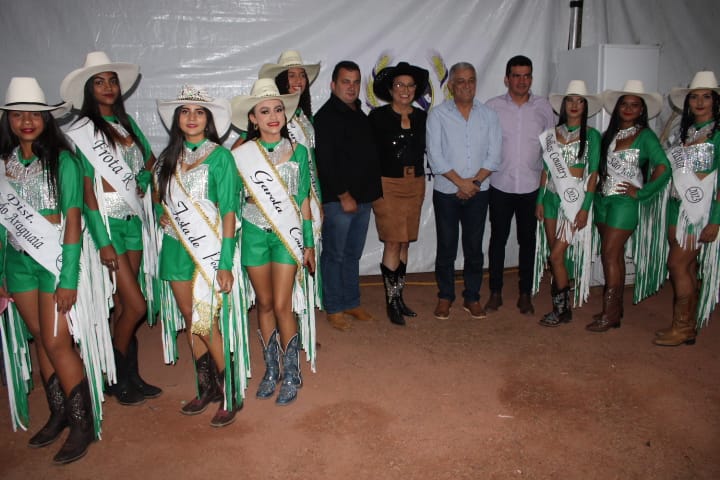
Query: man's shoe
x,y
338,320
494,302
524,303
475,310
360,313
442,310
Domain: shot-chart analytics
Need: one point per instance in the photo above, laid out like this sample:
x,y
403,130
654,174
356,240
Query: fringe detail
x,y
709,273
18,366
542,251
580,254
152,239
650,247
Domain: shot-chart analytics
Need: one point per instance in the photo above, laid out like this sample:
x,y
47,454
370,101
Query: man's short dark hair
x,y
347,65
518,61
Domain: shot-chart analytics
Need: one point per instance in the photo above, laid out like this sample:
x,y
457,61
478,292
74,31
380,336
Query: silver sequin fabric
x,y
116,207
569,154
626,165
695,158
195,182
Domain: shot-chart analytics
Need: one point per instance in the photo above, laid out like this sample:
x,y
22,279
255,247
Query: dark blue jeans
x,y
503,206
343,240
450,214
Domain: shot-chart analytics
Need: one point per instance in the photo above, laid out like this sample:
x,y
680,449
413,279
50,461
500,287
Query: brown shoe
x,y
360,313
475,310
524,303
442,311
494,302
338,320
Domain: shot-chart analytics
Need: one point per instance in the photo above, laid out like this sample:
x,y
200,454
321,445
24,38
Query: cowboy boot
x,y
148,391
271,353
561,312
407,311
225,416
683,325
597,316
612,311
291,377
78,408
125,392
58,419
207,385
693,310
392,295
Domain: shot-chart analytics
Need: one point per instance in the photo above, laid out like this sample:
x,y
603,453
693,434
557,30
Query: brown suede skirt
x,y
397,212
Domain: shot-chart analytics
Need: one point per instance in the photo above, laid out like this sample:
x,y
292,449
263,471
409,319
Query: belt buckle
x,y
409,171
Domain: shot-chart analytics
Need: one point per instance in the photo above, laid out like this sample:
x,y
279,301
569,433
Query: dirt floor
x,y
500,398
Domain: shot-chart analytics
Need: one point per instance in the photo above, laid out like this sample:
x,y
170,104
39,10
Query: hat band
x,y
40,104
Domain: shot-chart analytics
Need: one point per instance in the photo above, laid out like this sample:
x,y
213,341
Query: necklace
x,y
703,132
627,132
191,155
279,151
568,135
15,169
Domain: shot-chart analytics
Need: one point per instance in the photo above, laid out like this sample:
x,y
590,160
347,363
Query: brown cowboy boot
x,y
612,311
683,325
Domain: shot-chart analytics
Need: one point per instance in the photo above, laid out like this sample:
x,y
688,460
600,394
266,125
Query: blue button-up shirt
x,y
464,146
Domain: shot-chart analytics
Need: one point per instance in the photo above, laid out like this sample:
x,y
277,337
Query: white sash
x,y
198,225
108,163
569,188
270,194
33,232
696,195
299,135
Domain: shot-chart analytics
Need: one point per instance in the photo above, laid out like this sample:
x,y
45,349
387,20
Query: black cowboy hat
x,y
384,79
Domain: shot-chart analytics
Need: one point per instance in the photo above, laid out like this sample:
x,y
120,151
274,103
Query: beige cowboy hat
x,y
263,89
24,94
72,88
289,59
701,81
636,88
192,95
577,87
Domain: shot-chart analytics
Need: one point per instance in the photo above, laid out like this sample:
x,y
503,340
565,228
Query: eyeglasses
x,y
401,86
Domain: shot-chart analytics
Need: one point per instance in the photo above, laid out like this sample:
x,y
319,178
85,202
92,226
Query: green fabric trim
x,y
308,237
541,195
715,212
70,270
587,201
96,227
143,179
227,251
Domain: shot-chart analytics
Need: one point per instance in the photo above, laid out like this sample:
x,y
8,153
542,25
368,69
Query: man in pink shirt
x,y
514,186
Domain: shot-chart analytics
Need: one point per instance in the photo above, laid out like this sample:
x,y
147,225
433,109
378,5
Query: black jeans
x,y
502,208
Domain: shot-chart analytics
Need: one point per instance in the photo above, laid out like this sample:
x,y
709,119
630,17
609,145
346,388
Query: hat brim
x,y
72,88
56,111
653,101
677,95
243,104
594,102
272,70
219,107
383,81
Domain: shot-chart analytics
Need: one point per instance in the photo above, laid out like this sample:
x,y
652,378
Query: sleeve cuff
x,y
70,270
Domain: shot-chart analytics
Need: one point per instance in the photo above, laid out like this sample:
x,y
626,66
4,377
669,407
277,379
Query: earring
x,y
255,126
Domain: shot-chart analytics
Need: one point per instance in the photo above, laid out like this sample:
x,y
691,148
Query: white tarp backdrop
x,y
222,44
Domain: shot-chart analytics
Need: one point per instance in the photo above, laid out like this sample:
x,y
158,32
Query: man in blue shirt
x,y
464,143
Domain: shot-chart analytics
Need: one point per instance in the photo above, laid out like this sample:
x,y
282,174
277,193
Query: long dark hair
x,y
253,132
688,119
283,84
47,147
91,110
167,162
583,124
613,128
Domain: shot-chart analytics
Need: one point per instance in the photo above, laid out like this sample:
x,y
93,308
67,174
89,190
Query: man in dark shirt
x,y
349,171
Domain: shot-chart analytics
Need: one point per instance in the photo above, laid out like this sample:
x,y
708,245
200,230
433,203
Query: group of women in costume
x,y
666,200
94,228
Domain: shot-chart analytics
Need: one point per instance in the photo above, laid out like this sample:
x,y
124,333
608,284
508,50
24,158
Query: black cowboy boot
x,y
58,419
561,312
392,295
407,311
271,353
125,392
148,391
208,388
291,376
78,408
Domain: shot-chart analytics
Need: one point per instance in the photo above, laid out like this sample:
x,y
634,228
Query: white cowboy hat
x,y
263,89
701,81
636,88
577,87
24,94
289,59
192,95
72,88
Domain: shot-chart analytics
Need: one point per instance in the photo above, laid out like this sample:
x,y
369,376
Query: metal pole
x,y
576,8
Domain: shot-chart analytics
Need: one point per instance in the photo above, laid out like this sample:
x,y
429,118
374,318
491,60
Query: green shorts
x,y
551,205
126,234
24,274
176,264
259,247
617,211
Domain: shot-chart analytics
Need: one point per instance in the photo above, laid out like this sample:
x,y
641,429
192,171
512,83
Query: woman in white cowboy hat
x,y
571,152
277,235
626,202
41,192
400,132
197,185
117,160
694,210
